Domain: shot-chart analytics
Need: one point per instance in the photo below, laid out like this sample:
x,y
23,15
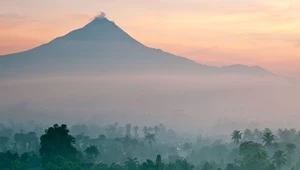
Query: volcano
x,y
101,47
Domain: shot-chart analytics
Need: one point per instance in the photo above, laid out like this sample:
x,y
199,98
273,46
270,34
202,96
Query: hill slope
x,y
102,47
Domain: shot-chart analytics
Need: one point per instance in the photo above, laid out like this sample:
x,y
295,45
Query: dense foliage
x,y
114,147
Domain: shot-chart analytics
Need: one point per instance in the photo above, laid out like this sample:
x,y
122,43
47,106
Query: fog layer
x,y
214,104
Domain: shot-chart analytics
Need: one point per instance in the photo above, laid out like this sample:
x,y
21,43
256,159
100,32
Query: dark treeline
x,y
130,147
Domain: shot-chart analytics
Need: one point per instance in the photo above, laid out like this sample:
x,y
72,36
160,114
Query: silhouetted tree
x,y
32,140
279,159
57,142
267,130
145,130
148,165
253,156
268,138
158,164
132,164
92,152
136,132
151,138
290,147
236,136
128,130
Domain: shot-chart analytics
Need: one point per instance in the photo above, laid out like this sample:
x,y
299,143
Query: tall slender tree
x,y
128,128
145,130
268,138
290,148
151,138
136,132
279,159
236,136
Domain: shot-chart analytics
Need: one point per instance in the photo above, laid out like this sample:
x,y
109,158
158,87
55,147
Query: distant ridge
x,y
239,68
103,47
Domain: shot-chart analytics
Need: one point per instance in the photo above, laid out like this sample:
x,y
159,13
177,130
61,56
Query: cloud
x,y
101,15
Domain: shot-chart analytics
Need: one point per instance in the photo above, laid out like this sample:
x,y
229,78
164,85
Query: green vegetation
x,y
115,147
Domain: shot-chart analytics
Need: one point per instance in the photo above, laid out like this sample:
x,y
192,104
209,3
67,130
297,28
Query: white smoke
x,y
101,15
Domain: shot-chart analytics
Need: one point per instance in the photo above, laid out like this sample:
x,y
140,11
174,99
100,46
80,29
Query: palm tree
x,y
128,130
151,138
236,136
287,134
132,164
290,147
32,140
267,130
145,130
279,159
136,132
268,138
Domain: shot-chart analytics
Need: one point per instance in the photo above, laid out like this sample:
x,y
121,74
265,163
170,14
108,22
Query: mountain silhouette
x,y
102,47
100,29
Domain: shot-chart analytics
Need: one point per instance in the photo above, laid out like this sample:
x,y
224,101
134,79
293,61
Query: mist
x,y
210,104
98,99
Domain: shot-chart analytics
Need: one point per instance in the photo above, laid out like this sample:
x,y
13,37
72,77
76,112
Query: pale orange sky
x,y
214,32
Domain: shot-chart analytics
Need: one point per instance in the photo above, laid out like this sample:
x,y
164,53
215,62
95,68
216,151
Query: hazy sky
x,y
214,32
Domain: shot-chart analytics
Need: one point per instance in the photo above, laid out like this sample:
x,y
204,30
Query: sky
x,y
213,32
